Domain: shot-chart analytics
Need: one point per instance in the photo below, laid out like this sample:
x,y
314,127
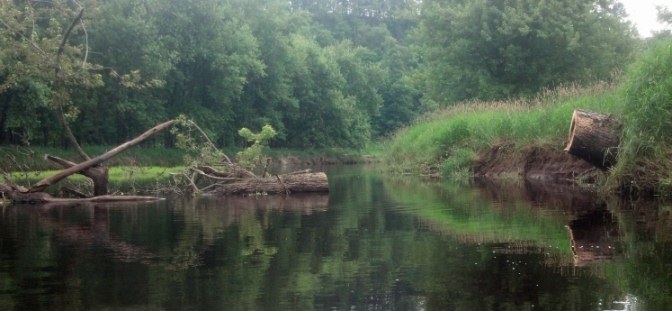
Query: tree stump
x,y
593,137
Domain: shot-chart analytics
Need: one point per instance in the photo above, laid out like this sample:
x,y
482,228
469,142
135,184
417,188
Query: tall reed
x,y
645,154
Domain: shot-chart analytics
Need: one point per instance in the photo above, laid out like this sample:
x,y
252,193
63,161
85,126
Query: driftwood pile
x,y
232,179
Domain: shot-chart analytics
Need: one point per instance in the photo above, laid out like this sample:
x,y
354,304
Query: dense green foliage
x,y
523,46
321,73
646,144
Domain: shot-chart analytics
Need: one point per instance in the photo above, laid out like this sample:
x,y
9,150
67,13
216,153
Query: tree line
x,y
322,73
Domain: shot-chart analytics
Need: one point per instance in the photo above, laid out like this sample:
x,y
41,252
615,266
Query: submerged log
x,y
593,137
283,184
20,196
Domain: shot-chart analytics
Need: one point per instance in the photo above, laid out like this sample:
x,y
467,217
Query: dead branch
x,y
57,98
42,184
74,192
98,174
205,136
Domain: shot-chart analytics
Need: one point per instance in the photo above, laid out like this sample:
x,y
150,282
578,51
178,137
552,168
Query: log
x,y
45,198
282,184
98,174
593,137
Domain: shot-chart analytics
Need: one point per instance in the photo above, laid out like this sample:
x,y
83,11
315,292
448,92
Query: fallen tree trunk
x,y
20,197
98,174
234,180
282,184
593,137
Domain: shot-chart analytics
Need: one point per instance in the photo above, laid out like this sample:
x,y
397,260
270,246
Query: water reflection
x,y
375,242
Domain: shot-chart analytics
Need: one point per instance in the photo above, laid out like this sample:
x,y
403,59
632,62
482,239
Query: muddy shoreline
x,y
534,163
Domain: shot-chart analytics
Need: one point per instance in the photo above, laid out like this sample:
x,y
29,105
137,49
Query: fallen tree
x,y
66,72
593,137
230,179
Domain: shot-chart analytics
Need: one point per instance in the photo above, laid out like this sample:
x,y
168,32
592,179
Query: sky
x,y
644,15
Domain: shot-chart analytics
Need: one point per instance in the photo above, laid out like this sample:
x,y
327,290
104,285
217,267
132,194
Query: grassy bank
x,y
446,142
645,155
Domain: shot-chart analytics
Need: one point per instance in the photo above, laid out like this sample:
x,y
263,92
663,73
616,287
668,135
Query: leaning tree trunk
x,y
98,174
593,137
281,184
42,184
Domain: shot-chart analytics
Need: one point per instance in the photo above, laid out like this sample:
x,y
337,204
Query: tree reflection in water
x,y
375,242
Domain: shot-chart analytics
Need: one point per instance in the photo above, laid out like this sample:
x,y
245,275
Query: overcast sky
x,y
643,14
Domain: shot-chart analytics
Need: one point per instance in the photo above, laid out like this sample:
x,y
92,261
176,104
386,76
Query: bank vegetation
x,y
451,142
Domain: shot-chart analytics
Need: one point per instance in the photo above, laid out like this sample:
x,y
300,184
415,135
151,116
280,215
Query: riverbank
x,y
503,139
524,138
156,169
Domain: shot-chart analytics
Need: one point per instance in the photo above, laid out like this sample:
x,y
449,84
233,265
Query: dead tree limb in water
x,y
42,184
98,174
234,179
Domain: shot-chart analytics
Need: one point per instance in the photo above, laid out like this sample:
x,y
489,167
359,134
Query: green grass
x,y
121,178
645,156
445,140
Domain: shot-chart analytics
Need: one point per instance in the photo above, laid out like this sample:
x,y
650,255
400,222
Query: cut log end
x,y
593,137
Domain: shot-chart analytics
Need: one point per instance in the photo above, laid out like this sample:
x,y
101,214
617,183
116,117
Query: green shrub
x,y
644,162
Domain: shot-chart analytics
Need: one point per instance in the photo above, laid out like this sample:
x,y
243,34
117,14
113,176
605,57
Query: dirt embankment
x,y
542,163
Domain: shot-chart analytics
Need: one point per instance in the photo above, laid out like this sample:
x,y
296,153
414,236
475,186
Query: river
x,y
376,242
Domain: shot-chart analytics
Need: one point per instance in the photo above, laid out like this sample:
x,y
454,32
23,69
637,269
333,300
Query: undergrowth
x,y
645,155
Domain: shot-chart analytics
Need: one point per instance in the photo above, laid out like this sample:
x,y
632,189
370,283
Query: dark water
x,y
375,243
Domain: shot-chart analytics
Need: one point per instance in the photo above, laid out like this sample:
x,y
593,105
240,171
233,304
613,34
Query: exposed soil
x,y
540,163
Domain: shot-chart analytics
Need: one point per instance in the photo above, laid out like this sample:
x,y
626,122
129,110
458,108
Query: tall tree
x,y
44,57
216,55
491,49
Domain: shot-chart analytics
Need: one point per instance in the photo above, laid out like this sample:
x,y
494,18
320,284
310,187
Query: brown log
x,y
593,137
44,198
283,184
98,174
39,186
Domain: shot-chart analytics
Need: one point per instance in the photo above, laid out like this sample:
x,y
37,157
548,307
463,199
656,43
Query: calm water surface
x,y
374,243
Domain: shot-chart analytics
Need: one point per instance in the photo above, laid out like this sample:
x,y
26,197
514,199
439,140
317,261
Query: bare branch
x,y
39,186
65,40
212,145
